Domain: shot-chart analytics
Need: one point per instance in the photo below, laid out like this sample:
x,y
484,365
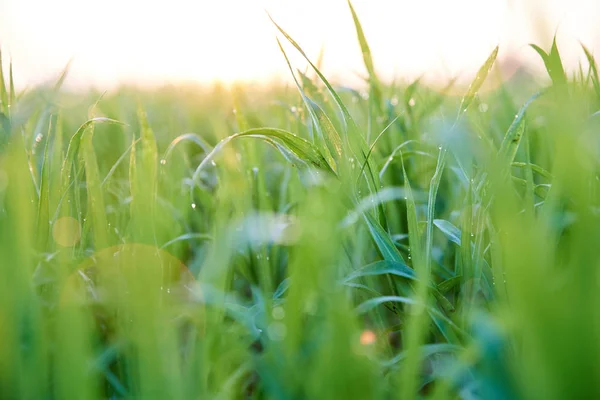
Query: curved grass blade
x,y
300,148
370,304
373,200
383,267
186,137
448,229
73,150
185,237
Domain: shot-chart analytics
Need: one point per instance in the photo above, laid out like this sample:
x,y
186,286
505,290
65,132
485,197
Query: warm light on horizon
x,y
118,41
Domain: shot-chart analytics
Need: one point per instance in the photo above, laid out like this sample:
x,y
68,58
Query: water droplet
x,y
194,205
394,100
213,163
412,102
163,161
294,109
483,107
38,137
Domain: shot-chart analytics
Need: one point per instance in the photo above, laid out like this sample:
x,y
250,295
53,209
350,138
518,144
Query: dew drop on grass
x,y
194,205
163,161
394,100
483,107
412,102
213,163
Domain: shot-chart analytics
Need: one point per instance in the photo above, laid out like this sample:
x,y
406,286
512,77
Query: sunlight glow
x,y
228,40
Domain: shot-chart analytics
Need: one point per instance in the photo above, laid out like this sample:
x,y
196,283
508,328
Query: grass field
x,y
303,242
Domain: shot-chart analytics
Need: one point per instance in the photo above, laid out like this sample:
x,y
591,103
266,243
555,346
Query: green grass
x,y
403,243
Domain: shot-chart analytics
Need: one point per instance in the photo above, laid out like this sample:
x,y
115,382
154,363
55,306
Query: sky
x,y
157,42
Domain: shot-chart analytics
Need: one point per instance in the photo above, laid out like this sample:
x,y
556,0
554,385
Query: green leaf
x,y
383,241
43,210
534,167
3,92
512,139
376,301
368,60
11,84
95,195
593,69
353,138
553,64
73,149
449,284
186,137
480,78
448,229
383,267
327,133
282,140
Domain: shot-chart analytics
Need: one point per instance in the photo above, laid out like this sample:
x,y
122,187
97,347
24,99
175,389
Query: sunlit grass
x,y
393,243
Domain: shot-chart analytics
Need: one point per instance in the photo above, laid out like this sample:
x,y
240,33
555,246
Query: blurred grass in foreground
x,y
394,243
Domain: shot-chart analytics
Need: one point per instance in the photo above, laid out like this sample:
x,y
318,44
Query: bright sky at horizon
x,y
150,41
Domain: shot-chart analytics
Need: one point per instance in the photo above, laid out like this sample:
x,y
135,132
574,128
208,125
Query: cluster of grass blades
x,y
376,249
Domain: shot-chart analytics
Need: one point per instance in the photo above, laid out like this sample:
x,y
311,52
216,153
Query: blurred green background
x,y
307,241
